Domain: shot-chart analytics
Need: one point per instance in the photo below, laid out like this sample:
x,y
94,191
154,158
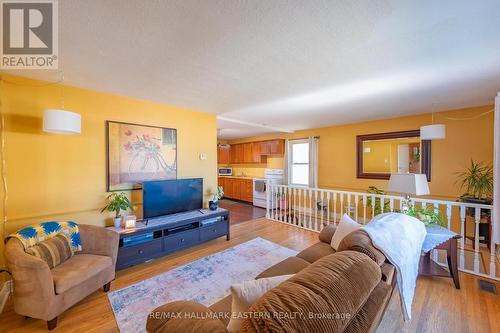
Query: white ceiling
x,y
290,64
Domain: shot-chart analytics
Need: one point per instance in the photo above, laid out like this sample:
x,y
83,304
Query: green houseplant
x,y
116,202
477,180
219,193
427,215
377,202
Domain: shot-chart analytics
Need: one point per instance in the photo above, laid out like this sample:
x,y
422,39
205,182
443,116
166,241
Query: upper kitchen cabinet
x,y
250,152
223,154
272,147
247,152
256,154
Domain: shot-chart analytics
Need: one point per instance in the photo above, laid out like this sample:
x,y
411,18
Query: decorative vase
x,y
212,205
118,222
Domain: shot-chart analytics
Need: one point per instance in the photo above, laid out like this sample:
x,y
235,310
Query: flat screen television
x,y
165,197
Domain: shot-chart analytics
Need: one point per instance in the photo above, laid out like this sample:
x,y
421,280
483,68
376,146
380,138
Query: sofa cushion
x,y
388,273
223,307
345,227
290,265
53,251
369,316
360,241
184,316
78,269
316,252
326,233
246,293
337,285
35,233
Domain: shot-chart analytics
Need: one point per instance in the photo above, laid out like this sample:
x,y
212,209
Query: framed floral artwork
x,y
138,153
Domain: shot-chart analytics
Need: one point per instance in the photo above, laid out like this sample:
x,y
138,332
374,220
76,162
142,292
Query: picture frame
x,y
136,153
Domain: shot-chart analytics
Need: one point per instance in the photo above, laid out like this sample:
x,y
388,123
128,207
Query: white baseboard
x,y
4,293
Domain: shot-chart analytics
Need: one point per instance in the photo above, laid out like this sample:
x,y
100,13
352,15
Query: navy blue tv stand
x,y
166,234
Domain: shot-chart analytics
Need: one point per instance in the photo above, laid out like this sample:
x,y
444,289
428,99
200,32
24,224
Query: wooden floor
x,y
438,306
241,212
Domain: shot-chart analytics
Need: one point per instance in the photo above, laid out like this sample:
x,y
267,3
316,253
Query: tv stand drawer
x,y
213,231
137,253
181,240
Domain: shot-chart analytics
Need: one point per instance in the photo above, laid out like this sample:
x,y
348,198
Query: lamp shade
x,y
432,132
408,183
61,122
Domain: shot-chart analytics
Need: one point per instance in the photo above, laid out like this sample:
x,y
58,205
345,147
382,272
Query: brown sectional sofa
x,y
356,280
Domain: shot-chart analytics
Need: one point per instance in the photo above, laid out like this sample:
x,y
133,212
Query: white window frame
x,y
290,162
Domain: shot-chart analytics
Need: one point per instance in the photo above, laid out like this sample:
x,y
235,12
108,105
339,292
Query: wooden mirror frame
x,y
425,160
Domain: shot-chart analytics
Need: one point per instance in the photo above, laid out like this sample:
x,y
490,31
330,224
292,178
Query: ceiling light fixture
x,y
60,121
433,132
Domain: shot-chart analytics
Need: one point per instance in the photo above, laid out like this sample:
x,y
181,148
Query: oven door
x,y
259,186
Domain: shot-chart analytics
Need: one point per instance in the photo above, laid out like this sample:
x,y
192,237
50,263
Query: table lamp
x,y
408,184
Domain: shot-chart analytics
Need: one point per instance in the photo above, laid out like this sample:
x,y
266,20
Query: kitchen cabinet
x,y
221,181
246,190
237,188
256,154
272,147
223,152
250,152
227,184
276,147
247,152
238,148
264,148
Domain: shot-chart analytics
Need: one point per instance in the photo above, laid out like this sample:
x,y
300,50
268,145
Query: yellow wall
x,y
464,140
61,177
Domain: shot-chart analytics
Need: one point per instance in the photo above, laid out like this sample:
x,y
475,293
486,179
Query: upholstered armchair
x,y
43,293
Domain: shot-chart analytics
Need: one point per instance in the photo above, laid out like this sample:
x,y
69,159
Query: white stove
x,y
272,176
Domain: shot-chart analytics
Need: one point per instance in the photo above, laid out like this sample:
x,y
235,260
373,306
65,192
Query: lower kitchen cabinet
x,y
237,188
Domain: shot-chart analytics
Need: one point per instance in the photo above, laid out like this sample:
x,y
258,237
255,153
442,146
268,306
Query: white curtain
x,y
313,161
286,163
496,171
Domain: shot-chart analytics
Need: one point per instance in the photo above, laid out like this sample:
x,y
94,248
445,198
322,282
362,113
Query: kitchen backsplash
x,y
256,170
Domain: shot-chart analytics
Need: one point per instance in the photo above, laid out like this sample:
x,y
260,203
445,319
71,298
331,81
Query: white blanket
x,y
400,238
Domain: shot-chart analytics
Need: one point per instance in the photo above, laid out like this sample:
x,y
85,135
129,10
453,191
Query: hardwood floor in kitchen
x,y
242,211
438,306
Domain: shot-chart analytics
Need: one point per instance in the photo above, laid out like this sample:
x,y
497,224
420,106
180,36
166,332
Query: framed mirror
x,y
380,154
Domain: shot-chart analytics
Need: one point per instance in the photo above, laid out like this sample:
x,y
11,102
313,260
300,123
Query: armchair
x,y
43,293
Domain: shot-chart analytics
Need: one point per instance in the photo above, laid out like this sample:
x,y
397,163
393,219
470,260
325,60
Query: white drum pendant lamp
x,y
433,132
61,122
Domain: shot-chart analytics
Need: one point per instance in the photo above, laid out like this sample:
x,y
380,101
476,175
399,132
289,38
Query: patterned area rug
x,y
205,280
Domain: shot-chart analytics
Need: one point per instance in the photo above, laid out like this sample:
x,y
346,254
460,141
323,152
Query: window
x,y
299,162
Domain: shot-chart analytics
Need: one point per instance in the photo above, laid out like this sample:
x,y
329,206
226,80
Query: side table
x,y
434,240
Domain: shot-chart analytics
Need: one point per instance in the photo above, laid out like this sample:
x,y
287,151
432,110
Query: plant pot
x,y
477,201
471,210
212,205
118,222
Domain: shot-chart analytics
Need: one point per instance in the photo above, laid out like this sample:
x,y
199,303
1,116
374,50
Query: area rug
x,y
205,281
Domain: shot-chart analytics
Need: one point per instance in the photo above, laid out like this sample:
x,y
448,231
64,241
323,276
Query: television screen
x,y
172,196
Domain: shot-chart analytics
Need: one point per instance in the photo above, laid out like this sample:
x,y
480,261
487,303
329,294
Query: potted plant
x,y
428,215
116,202
281,200
212,204
377,204
478,183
